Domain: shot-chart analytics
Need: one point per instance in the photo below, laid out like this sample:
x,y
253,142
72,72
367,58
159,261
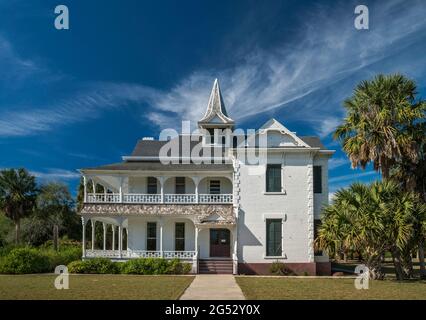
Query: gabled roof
x,y
275,125
216,108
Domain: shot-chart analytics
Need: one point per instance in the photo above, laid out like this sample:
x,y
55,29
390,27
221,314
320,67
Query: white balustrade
x,y
141,198
179,198
156,198
215,198
131,254
103,197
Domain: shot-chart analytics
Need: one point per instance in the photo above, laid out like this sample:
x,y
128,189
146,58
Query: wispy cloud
x,y
351,177
54,174
325,53
334,163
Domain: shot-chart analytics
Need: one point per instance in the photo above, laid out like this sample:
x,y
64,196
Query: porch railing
x,y
157,198
131,254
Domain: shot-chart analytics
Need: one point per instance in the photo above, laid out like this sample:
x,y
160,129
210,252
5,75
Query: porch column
x,y
83,223
93,233
161,238
196,239
94,186
161,180
113,237
85,188
105,230
127,238
120,238
121,189
196,182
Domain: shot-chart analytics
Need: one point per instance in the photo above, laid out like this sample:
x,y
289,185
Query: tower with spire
x,y
216,116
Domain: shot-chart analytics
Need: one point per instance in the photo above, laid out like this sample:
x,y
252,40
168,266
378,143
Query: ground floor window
x,y
274,237
151,236
180,236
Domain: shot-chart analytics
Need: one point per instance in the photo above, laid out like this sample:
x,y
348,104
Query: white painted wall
x,y
138,229
292,204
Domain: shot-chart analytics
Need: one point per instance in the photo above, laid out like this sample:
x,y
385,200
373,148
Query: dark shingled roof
x,y
158,166
313,142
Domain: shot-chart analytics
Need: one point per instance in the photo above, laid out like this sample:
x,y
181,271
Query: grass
x,y
274,288
94,287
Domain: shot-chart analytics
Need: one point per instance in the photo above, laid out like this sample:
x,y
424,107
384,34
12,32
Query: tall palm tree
x,y
381,115
17,195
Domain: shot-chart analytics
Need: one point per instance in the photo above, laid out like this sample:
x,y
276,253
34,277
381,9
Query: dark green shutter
x,y
273,178
273,237
317,179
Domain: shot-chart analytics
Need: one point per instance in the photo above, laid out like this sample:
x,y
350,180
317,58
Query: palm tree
x,y
381,115
371,219
17,196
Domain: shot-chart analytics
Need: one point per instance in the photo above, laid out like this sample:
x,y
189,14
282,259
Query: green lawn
x,y
92,287
271,288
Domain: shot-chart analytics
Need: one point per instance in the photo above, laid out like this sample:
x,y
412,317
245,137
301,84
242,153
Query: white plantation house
x,y
223,200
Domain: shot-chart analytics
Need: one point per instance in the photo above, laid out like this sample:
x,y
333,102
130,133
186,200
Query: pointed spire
x,y
216,107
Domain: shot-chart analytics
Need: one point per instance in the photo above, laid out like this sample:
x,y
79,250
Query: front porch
x,y
187,238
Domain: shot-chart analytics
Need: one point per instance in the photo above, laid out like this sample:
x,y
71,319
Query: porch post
x,y
85,188
113,237
195,259
93,233
105,230
127,238
161,238
94,186
161,179
196,239
121,189
196,182
120,237
83,223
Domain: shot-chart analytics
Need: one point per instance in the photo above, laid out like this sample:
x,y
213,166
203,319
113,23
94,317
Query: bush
x,y
63,256
280,269
24,260
177,267
94,266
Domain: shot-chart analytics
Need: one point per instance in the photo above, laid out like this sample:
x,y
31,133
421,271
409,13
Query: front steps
x,y
216,266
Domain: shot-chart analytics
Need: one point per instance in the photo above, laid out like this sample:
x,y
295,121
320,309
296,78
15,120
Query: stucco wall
x,y
137,233
291,205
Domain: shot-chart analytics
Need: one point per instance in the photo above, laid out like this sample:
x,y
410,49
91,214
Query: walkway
x,y
213,287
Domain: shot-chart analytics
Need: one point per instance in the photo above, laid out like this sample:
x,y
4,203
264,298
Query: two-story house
x,y
222,199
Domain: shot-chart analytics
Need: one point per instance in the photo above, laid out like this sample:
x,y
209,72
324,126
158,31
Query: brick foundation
x,y
310,269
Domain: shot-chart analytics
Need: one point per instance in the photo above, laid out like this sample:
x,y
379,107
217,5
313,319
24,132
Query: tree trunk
x,y
375,269
422,259
399,272
407,264
55,237
17,231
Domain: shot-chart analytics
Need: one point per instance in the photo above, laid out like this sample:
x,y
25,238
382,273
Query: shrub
x,y
94,266
24,260
63,256
279,268
177,267
149,266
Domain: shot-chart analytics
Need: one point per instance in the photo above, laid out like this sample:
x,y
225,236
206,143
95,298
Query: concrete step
x,y
215,266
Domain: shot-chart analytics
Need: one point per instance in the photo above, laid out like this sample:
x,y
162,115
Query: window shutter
x,y
317,179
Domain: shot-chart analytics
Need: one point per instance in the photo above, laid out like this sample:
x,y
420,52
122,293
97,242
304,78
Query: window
x,y
214,187
317,179
317,224
273,237
152,185
151,236
180,236
273,178
180,185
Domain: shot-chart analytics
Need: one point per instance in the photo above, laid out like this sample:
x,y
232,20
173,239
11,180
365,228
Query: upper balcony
x,y
158,189
142,198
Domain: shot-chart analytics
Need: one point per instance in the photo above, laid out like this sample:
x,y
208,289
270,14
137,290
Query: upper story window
x,y
152,185
317,179
180,185
273,178
214,187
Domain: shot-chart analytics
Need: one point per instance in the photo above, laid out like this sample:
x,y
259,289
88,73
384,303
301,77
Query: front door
x,y
220,243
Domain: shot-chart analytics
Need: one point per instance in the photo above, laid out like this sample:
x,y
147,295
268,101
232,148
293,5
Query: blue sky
x,y
127,69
